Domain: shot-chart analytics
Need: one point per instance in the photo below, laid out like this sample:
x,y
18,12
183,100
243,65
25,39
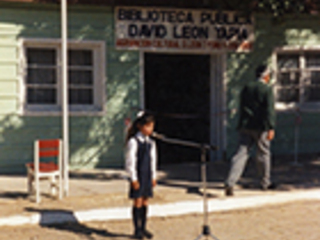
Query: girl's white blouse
x,y
131,156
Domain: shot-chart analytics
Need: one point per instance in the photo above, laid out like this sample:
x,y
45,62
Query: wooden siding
x,y
95,141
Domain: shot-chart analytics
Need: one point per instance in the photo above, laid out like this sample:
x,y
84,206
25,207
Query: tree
x,y
276,7
282,7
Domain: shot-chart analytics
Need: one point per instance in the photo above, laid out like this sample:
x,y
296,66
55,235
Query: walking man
x,y
256,127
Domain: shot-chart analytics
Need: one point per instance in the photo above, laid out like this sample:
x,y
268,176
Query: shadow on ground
x,y
97,175
285,174
188,176
14,195
71,224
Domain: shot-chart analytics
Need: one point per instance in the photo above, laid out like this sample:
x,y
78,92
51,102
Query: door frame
x,y
218,89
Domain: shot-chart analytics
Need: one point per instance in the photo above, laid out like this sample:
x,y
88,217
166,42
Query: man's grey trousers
x,y
247,139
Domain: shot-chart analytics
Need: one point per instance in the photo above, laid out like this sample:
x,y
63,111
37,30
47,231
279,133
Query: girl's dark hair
x,y
140,121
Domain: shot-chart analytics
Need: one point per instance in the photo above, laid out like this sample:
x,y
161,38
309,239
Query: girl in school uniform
x,y
141,160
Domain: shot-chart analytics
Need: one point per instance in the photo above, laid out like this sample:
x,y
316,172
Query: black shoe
x,y
228,191
138,235
148,234
272,186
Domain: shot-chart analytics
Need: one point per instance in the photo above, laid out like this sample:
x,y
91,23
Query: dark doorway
x,y
177,90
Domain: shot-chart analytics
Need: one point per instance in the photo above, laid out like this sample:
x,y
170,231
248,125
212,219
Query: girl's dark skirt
x,y
145,190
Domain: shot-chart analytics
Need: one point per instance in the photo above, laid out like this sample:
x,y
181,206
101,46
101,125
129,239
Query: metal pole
x,y
65,110
204,184
206,233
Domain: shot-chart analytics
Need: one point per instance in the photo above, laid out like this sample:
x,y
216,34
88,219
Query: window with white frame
x,y
42,76
298,79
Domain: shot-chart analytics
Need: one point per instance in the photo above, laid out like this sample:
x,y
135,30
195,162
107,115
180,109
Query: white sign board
x,y
182,29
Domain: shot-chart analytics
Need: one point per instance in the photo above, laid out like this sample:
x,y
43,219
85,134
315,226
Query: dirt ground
x,y
178,183
294,221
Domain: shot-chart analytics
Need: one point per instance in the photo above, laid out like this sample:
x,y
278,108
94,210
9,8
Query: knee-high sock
x,y
144,213
136,217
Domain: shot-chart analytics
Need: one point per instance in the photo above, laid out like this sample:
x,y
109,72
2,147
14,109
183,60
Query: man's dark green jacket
x,y
257,107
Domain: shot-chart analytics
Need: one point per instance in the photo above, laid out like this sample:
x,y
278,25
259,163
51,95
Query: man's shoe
x,y
272,186
228,191
148,234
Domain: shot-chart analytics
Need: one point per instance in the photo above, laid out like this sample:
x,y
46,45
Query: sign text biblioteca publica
x,y
178,29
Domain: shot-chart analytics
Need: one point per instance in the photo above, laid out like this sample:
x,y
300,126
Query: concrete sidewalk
x,y
102,194
159,210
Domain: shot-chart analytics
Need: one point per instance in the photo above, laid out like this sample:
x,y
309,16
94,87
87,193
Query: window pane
x,y
288,95
312,94
81,96
41,96
315,78
81,77
313,60
288,61
288,78
80,58
41,56
41,76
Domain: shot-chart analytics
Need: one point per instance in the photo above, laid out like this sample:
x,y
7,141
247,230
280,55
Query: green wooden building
x,y
192,89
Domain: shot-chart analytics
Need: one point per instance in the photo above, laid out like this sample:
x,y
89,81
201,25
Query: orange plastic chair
x,y
51,171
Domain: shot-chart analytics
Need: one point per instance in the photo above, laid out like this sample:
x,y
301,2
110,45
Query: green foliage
x,y
275,7
282,7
